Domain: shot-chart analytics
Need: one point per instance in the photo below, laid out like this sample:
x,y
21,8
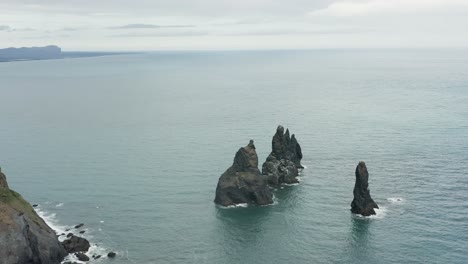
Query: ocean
x,y
133,145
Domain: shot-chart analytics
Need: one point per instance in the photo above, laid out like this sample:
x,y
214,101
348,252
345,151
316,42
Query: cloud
x,y
5,28
162,34
374,7
146,26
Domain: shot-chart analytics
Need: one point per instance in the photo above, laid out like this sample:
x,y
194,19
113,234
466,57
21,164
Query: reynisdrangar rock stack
x,y
243,182
362,203
284,161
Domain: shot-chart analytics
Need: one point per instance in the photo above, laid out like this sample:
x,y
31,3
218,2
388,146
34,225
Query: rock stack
x,y
284,161
242,182
362,203
24,236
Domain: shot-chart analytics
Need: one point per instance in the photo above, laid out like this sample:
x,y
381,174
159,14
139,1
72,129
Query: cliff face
x,y
363,203
283,163
242,182
24,236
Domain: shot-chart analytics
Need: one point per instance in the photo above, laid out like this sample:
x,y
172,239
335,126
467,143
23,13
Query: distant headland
x,y
47,53
32,53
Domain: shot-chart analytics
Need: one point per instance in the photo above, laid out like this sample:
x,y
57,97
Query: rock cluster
x,y
284,161
243,182
24,236
362,203
75,244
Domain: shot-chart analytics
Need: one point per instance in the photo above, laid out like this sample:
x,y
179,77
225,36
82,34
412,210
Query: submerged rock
x,y
284,161
24,236
242,182
81,256
362,203
111,254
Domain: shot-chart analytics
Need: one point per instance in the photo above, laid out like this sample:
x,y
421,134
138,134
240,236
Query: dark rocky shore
x,y
362,203
26,238
284,161
243,182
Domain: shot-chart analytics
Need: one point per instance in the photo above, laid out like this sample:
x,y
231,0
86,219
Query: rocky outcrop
x,y
362,203
3,181
284,161
76,244
24,236
242,182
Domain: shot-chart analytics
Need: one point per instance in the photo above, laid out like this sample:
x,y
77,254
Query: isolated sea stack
x,y
242,182
284,161
362,203
24,236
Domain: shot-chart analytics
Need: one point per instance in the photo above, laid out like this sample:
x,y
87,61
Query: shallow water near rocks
x,y
133,146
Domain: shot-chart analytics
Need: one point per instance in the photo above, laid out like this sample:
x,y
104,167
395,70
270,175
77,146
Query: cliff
x,y
24,236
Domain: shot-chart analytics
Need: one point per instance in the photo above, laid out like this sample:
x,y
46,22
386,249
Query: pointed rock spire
x,y
242,182
362,203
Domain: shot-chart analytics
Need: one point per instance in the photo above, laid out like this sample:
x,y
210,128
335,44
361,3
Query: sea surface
x,y
133,145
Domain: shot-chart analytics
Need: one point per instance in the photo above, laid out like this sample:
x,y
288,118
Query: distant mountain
x,y
33,53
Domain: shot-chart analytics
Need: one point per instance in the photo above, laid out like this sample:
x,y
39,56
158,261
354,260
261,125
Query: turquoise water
x,y
133,146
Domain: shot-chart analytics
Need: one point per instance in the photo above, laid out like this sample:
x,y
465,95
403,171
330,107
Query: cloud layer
x,y
226,24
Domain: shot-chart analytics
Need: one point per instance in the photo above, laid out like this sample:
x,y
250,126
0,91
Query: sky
x,y
137,25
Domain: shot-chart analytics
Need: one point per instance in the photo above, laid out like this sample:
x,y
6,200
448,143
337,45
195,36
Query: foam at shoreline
x,y
51,220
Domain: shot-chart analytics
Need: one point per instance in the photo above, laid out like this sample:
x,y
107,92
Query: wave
x,y
289,184
379,213
241,205
59,205
396,200
51,220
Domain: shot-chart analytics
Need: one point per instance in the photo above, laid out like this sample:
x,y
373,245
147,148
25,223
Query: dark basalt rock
x,y
24,236
284,161
111,254
242,182
81,256
3,181
362,203
79,225
76,244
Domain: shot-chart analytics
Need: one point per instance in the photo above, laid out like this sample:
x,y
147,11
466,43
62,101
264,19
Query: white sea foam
x,y
290,184
241,205
396,200
379,213
51,220
59,205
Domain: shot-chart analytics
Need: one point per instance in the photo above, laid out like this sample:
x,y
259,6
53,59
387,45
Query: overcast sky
x,y
233,24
